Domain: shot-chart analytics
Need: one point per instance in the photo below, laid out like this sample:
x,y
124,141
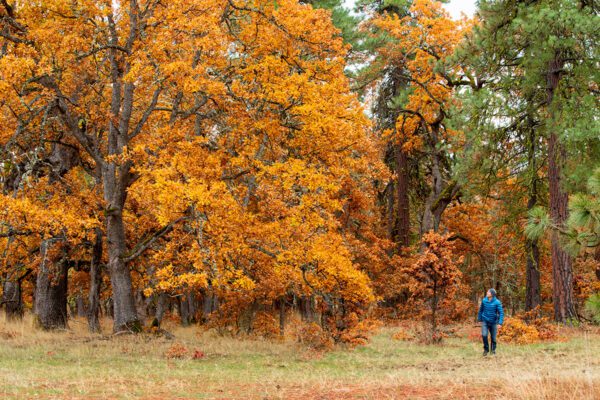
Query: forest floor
x,y
76,365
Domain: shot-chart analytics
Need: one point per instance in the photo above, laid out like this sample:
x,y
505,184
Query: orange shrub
x,y
265,325
358,332
403,335
528,327
177,350
314,337
516,330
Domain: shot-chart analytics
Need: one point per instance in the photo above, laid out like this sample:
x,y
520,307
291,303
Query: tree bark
x,y
95,284
395,197
51,289
125,313
282,317
532,286
562,273
184,310
80,303
208,304
161,308
12,299
192,306
441,193
307,309
403,206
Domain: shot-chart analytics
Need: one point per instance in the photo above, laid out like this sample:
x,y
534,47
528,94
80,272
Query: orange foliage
x,y
248,153
313,336
423,42
434,283
176,351
528,327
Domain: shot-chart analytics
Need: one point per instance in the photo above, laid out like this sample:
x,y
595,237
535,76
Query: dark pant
x,y
492,329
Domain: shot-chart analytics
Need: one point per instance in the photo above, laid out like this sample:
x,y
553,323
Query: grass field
x,y
76,365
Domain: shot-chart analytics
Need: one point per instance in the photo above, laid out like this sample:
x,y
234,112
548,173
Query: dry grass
x,y
76,365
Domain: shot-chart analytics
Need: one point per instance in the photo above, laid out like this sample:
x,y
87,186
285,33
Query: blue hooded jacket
x,y
491,311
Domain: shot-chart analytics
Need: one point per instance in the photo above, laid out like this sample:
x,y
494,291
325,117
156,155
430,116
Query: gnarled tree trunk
x,y
161,308
51,288
12,299
441,193
125,313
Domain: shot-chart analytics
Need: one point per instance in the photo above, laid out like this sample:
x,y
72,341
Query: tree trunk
x,y
125,314
562,273
141,305
12,299
80,303
597,258
51,289
307,309
161,308
403,210
441,193
208,304
532,287
109,309
192,306
434,307
282,317
395,197
184,310
95,283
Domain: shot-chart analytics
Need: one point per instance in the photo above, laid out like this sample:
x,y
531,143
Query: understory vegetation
x,y
79,365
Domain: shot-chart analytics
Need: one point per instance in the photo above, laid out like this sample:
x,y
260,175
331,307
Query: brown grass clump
x,y
548,388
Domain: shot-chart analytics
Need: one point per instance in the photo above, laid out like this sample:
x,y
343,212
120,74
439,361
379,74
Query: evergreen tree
x,y
537,62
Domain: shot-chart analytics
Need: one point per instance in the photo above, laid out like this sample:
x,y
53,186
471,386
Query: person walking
x,y
491,316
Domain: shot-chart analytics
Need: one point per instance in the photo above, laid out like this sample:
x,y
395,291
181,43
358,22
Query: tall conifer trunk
x,y
533,287
562,293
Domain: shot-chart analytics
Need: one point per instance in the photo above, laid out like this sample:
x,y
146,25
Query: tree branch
x,y
141,247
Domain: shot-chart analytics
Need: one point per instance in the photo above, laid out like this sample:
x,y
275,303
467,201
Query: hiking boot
x,y
485,353
493,352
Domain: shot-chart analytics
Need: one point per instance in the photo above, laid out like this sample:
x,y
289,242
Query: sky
x,y
455,7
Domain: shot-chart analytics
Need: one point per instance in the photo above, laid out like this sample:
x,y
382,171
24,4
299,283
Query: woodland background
x,y
243,163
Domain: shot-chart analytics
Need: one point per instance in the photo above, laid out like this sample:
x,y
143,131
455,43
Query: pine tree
x,y
539,58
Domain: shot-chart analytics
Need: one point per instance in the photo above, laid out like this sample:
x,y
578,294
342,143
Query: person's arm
x,y
479,314
500,314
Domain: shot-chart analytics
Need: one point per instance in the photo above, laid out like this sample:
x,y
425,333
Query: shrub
x,y
592,306
265,325
314,337
528,327
515,330
403,335
435,283
177,351
358,332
